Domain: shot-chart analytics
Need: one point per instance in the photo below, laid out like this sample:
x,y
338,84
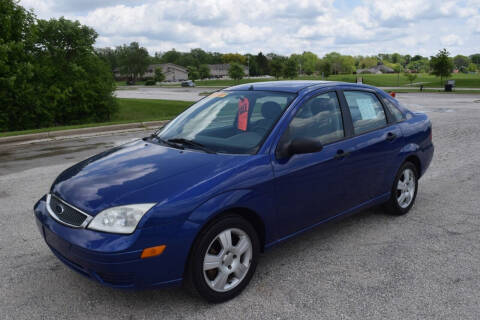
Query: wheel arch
x,y
416,161
246,213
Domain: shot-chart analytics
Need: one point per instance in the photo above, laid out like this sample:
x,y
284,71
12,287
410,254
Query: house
x,y
381,68
221,70
171,71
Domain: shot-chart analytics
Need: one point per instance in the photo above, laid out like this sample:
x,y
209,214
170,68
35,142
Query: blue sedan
x,y
235,174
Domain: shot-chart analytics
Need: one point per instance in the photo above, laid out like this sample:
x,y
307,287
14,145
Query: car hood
x,y
137,172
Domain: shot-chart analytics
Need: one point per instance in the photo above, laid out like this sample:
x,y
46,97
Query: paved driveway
x,y
425,265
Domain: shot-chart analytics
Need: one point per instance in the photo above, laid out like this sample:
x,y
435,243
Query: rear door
x,y
377,141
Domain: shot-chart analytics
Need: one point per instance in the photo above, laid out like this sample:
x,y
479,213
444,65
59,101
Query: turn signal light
x,y
153,251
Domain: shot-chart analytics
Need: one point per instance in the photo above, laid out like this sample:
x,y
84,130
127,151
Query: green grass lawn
x,y
378,80
137,110
394,80
130,110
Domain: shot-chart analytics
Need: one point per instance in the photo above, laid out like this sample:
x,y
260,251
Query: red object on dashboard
x,y
243,106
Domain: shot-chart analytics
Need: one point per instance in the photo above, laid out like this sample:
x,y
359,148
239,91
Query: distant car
x,y
235,174
188,83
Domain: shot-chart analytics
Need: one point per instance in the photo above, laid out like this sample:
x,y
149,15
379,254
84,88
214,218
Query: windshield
x,y
229,121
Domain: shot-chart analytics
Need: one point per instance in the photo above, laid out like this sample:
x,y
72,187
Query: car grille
x,y
65,213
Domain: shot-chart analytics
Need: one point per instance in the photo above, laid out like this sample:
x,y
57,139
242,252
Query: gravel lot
x,y
425,265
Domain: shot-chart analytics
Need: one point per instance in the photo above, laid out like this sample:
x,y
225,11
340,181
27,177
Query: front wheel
x,y
223,259
404,190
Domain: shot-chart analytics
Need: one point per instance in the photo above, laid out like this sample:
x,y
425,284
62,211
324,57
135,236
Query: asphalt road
x,y
425,265
143,92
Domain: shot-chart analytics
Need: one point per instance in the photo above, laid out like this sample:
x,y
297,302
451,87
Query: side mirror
x,y
299,146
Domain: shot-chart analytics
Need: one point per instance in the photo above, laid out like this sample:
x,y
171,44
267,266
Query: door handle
x,y
391,136
341,154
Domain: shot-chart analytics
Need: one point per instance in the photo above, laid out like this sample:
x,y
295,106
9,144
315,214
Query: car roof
x,y
291,86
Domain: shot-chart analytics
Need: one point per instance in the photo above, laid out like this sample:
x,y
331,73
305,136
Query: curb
x,y
74,132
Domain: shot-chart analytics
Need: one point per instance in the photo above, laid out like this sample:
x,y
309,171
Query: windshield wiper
x,y
154,137
191,143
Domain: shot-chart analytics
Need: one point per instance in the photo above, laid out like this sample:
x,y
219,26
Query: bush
x,y
150,82
49,72
159,76
236,71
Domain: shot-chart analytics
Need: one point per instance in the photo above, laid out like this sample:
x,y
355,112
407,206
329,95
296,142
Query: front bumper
x,y
114,260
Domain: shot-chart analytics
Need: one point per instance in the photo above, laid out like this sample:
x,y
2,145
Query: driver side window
x,y
320,118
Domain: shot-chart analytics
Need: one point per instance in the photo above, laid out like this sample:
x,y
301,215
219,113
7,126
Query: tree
x,y
49,72
416,58
171,56
253,69
133,60
461,62
263,64
475,58
19,106
195,57
236,71
290,68
109,56
234,58
411,76
308,61
159,76
276,66
193,73
204,71
324,67
367,62
441,64
472,67
339,63
199,57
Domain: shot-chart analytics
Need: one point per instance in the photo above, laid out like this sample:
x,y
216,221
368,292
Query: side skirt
x,y
370,203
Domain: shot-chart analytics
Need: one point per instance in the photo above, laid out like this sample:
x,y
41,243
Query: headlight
x,y
122,219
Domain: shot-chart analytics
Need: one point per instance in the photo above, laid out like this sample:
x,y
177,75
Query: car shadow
x,y
318,240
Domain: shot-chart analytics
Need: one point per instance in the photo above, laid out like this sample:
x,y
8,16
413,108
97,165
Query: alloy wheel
x,y
406,188
227,260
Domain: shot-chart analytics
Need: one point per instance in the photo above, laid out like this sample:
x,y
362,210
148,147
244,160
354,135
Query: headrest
x,y
271,110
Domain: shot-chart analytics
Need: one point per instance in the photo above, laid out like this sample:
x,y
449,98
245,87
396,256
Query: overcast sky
x,y
283,26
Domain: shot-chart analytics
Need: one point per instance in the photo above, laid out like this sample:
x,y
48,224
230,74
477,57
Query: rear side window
x,y
366,110
397,114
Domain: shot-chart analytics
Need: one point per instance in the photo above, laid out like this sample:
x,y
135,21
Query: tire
x,y
228,268
402,200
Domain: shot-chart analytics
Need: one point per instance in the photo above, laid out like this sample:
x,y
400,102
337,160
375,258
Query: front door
x,y
313,187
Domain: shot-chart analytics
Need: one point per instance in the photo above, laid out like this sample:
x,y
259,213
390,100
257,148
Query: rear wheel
x,y
223,259
404,190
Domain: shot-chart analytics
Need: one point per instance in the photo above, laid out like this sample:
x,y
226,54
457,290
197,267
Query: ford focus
x,y
238,172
